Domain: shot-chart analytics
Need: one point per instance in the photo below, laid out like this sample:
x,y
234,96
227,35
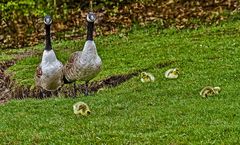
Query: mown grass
x,y
163,112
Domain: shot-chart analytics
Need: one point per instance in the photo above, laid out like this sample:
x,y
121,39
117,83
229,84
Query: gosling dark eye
x,y
88,112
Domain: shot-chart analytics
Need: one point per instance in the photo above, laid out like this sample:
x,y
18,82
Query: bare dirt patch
x,y
9,89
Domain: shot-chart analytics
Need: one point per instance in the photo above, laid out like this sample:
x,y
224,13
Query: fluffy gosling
x,y
81,108
210,91
147,77
172,73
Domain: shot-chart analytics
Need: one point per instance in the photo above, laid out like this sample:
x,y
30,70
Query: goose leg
x,y
75,90
52,94
43,94
57,92
86,88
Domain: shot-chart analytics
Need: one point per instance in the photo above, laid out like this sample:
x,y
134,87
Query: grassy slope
x,y
166,111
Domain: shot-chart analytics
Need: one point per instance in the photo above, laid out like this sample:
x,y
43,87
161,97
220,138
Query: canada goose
x,y
210,91
81,108
147,77
86,64
49,74
172,73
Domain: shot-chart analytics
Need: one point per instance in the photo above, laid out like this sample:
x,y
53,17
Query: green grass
x,y
163,112
9,54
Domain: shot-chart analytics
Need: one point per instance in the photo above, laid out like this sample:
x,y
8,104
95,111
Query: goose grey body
x,y
86,64
83,65
49,73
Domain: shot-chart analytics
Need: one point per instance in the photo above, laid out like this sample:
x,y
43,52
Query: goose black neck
x,y
48,38
90,27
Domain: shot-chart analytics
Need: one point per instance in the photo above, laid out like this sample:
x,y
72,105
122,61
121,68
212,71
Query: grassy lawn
x,y
162,112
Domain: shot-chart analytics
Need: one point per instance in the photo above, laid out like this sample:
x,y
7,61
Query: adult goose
x,y
86,64
49,73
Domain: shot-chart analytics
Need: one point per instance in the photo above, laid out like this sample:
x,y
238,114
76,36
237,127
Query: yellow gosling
x,y
210,91
81,108
172,73
147,77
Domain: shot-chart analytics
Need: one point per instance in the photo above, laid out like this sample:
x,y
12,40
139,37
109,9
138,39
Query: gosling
x,y
210,91
81,108
147,77
172,73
